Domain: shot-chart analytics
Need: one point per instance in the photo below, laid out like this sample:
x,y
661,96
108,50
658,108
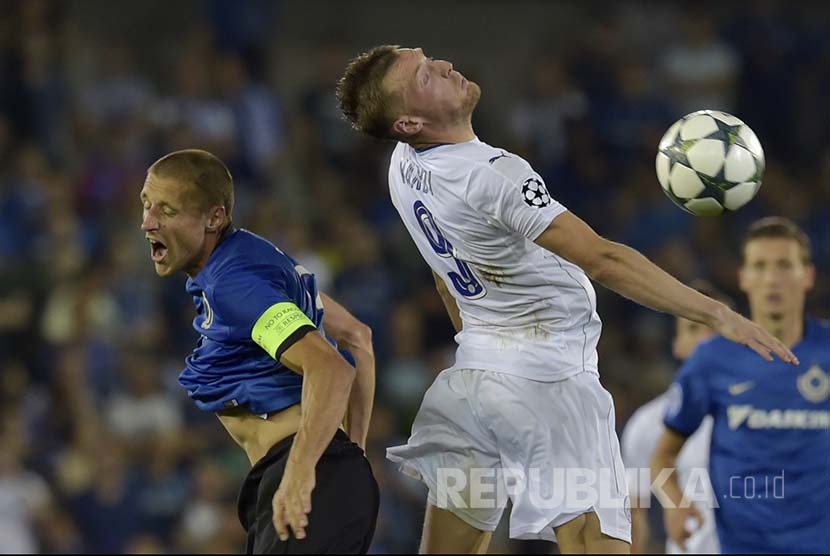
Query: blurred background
x,y
100,449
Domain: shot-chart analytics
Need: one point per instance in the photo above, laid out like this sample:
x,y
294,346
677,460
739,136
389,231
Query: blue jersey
x,y
252,302
770,449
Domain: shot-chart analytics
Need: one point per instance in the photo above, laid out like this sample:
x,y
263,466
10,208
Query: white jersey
x,y
473,211
639,440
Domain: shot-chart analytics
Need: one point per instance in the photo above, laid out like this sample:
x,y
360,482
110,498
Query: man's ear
x,y
408,126
810,276
216,218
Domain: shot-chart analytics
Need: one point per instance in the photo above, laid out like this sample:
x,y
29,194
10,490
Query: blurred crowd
x,y
100,449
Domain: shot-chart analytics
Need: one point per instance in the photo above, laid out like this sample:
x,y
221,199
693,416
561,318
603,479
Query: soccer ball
x,y
710,162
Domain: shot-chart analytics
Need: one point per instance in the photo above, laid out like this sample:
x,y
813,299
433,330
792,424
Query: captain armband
x,y
279,327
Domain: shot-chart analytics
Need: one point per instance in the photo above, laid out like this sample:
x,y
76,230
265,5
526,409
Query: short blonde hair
x,y
363,101
208,175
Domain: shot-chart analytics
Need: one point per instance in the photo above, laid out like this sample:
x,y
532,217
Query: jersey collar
x,y
436,145
227,234
429,148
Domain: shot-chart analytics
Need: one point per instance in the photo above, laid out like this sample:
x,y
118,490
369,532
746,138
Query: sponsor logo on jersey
x,y
754,418
495,158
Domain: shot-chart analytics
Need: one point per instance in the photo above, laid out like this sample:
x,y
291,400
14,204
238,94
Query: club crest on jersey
x,y
814,385
208,313
535,194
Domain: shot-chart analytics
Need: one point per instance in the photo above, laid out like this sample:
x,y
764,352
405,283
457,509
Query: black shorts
x,y
344,502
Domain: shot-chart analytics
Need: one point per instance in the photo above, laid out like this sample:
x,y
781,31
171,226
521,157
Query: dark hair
x,y
363,101
781,228
207,174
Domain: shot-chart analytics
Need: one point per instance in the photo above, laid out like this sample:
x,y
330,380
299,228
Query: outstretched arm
x,y
627,272
356,337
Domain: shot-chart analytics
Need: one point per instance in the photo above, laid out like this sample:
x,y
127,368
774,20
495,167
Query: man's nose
x,y
149,221
771,276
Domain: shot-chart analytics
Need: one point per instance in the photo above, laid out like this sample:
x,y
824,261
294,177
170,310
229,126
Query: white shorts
x,y
481,437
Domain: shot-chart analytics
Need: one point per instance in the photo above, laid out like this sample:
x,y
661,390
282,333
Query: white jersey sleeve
x,y
514,196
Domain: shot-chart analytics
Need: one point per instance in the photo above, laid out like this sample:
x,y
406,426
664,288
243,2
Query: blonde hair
x,y
207,174
362,100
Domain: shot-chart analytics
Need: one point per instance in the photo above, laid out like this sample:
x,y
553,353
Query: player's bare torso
x,y
256,435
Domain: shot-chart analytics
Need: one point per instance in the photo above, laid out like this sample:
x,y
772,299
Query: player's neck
x,y
194,270
449,136
211,243
787,327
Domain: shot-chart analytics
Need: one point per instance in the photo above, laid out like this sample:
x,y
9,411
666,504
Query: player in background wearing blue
x,y
769,460
266,364
639,440
512,267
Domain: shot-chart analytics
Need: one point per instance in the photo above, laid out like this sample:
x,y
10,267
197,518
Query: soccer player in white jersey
x,y
522,406
639,440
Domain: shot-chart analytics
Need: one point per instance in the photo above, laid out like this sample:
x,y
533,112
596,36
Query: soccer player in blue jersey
x,y
643,431
267,365
770,450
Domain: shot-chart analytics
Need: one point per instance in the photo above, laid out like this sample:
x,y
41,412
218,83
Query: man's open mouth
x,y
158,251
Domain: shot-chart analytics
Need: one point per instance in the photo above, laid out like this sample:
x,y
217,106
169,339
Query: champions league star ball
x,y
535,193
710,162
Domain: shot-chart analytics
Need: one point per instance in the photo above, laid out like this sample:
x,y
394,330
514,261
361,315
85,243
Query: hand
x,y
678,526
292,501
741,330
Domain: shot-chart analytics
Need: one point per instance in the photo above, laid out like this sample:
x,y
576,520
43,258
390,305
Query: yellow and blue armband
x,y
279,327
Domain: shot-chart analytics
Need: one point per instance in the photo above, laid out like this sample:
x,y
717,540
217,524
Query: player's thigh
x,y
583,535
569,537
446,533
454,453
558,439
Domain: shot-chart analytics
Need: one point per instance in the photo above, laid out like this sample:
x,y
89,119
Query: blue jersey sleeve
x,y
347,355
262,309
689,396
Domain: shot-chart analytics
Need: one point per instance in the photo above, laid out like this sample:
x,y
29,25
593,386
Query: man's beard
x,y
472,99
464,113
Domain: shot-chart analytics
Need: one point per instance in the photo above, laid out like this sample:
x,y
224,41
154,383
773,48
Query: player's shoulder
x,y
399,150
818,327
500,163
702,360
245,253
715,347
474,155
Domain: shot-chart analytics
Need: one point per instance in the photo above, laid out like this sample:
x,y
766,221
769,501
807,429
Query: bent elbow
x,y
363,333
354,332
332,366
